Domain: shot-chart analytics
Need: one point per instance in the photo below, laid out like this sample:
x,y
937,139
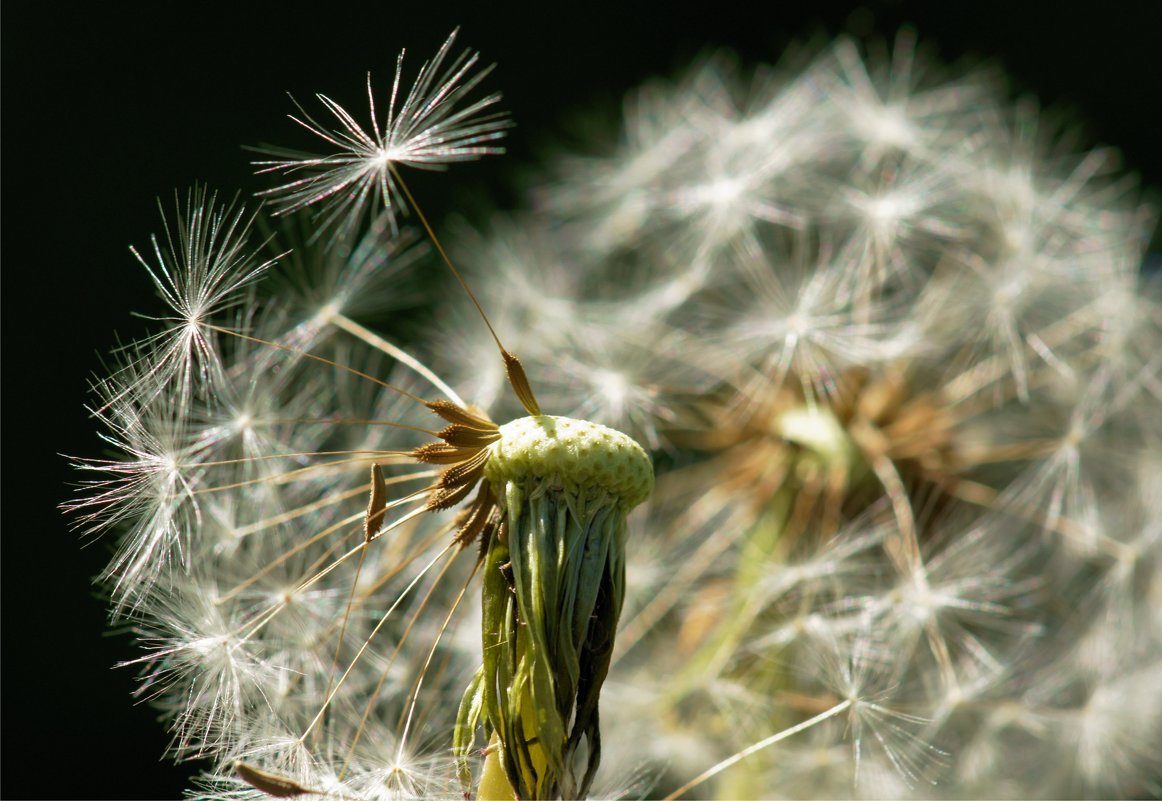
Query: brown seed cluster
x,y
464,448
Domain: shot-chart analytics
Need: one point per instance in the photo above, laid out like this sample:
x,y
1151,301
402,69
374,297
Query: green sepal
x,y
553,590
464,734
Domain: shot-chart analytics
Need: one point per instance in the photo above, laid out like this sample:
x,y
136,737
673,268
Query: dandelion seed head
x,y
890,345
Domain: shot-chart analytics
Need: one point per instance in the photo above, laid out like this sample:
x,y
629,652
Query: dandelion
x,y
892,352
305,642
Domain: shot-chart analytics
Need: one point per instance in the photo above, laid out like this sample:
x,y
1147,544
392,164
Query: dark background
x,y
108,106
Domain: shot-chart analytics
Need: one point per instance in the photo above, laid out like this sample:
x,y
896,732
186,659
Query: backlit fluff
x,y
895,357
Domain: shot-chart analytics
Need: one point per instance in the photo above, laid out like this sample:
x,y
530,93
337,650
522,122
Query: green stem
x,y
758,548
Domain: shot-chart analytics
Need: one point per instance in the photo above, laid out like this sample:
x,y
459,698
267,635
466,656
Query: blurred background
x,y
108,107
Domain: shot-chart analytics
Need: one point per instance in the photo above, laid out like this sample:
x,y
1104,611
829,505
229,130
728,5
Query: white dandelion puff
x,y
895,356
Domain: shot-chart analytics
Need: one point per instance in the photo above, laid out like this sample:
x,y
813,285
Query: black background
x,y
109,106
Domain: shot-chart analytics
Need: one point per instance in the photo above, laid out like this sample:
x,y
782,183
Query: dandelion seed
x,y
433,126
144,490
198,272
